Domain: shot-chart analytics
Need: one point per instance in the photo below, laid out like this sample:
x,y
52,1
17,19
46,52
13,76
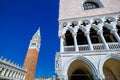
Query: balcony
x,y
96,47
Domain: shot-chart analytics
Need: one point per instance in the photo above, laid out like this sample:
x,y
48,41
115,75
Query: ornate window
x,y
92,4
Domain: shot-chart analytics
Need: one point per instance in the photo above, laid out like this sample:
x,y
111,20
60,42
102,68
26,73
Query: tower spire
x,y
37,34
32,56
35,42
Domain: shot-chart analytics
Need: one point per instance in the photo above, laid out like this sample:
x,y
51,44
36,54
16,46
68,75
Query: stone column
x,y
61,44
101,77
89,41
7,73
103,39
14,75
10,74
75,42
114,31
1,68
3,72
62,77
19,76
24,77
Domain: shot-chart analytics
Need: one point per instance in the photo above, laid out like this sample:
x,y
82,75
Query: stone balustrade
x,y
96,47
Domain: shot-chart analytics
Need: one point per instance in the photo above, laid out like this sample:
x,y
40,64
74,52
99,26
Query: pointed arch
x,y
111,71
105,66
81,39
108,36
69,38
118,27
88,64
94,36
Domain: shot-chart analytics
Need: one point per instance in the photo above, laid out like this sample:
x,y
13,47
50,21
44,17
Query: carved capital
x,y
113,30
61,35
99,32
86,33
74,34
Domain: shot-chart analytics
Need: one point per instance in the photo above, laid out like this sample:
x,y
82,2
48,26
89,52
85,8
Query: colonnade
x,y
8,70
85,25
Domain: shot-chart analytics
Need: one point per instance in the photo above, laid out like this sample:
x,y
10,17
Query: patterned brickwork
x,y
30,63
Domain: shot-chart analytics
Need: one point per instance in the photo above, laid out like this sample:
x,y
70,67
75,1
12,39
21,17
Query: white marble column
x,y
1,68
10,74
14,74
89,41
24,77
103,39
61,44
7,73
75,42
19,76
116,35
3,72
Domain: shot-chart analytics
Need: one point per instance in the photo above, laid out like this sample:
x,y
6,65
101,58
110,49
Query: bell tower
x,y
32,56
89,32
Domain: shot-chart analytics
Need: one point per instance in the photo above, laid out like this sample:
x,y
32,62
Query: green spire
x,y
37,34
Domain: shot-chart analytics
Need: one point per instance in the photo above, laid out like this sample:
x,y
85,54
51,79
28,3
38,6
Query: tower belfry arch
x,y
94,32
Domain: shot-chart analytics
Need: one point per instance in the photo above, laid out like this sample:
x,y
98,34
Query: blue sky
x,y
19,20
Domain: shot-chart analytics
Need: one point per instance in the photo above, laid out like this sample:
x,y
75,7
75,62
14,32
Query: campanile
x,y
32,56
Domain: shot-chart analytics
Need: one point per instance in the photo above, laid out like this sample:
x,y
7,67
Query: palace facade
x,y
89,32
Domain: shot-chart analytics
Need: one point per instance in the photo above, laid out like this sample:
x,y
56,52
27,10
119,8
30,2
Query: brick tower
x,y
32,56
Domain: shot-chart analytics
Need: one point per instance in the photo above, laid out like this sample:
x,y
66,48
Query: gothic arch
x,y
81,39
69,38
112,19
104,59
81,58
118,28
97,23
109,37
67,29
110,23
95,38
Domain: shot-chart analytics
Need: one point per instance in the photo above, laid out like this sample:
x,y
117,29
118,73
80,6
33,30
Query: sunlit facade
x,y
89,32
11,71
